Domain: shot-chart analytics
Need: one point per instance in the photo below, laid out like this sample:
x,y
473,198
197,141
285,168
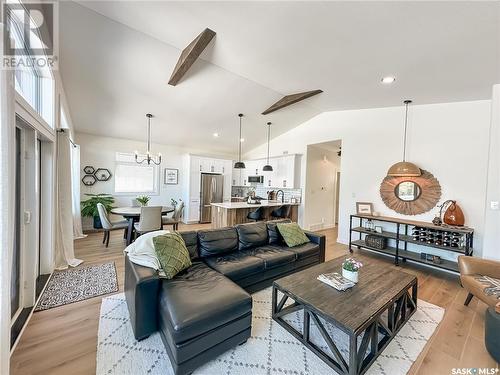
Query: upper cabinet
x,y
285,174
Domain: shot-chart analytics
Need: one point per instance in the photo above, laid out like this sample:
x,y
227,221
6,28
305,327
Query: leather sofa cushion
x,y
217,241
191,240
303,251
199,300
236,265
274,256
273,232
252,235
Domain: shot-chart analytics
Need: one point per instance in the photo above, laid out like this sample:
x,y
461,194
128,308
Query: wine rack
x,y
418,233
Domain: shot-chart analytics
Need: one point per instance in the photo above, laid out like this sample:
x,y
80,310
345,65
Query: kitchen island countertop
x,y
263,203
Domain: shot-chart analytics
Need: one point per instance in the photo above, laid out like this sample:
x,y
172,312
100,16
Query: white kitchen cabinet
x,y
227,171
194,210
227,167
195,163
236,177
285,174
226,194
194,185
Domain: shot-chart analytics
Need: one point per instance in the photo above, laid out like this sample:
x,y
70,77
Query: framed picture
x,y
364,208
171,176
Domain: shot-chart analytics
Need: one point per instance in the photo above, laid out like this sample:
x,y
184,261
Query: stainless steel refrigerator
x,y
211,192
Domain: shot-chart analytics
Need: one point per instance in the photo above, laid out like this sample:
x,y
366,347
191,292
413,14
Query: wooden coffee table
x,y
375,309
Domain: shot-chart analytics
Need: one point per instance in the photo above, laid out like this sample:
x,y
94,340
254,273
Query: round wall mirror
x,y
411,195
407,191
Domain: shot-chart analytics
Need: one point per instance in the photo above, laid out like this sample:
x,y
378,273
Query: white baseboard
x,y
320,226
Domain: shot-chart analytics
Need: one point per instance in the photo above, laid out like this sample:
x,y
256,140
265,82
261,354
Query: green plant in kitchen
x,y
89,206
143,199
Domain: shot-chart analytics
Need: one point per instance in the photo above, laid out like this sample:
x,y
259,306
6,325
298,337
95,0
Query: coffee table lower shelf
x,y
376,333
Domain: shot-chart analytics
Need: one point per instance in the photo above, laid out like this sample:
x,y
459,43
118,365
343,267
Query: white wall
x,y
321,177
100,152
450,140
492,217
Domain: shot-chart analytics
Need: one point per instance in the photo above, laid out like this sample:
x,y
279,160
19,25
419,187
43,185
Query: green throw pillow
x,y
292,234
172,253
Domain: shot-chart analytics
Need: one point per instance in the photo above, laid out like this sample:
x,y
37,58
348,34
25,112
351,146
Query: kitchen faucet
x,y
282,195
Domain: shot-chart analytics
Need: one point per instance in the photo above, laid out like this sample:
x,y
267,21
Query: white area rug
x,y
270,349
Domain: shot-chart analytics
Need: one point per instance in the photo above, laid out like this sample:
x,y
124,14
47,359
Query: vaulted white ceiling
x,y
116,59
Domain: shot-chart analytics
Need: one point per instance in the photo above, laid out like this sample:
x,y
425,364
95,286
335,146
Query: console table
x,y
402,237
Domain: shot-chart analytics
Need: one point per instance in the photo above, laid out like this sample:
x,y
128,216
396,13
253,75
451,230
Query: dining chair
x,y
176,217
256,215
281,213
109,225
149,221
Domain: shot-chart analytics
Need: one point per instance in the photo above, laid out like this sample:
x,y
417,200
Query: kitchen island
x,y
228,214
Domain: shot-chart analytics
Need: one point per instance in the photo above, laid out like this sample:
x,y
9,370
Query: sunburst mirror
x,y
411,195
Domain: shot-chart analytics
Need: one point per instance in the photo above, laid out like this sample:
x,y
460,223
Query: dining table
x,y
132,214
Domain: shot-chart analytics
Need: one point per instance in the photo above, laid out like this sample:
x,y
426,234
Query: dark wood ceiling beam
x,y
190,54
291,99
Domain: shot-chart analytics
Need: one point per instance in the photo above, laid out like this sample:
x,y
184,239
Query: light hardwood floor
x,y
63,340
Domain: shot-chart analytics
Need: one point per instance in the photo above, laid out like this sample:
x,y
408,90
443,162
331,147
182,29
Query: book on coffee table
x,y
336,280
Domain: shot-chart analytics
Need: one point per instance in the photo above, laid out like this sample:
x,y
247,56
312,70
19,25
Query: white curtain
x,y
7,176
75,190
64,251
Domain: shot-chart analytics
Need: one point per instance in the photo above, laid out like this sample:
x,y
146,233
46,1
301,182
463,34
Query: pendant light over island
x,y
239,164
268,167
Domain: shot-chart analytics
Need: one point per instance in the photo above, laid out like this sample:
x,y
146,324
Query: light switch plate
x,y
494,205
27,217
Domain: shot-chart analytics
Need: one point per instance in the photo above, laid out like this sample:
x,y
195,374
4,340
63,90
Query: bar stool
x,y
281,213
256,215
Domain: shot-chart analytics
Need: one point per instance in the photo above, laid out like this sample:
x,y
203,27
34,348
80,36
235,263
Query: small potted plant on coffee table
x,y
350,269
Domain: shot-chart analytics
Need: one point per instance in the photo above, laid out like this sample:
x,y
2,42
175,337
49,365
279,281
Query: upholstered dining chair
x,y
149,221
281,213
176,217
109,225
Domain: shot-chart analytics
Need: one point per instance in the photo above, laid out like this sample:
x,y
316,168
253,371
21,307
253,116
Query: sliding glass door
x,y
15,284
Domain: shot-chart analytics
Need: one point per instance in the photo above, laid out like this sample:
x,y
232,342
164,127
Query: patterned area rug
x,y
270,349
78,284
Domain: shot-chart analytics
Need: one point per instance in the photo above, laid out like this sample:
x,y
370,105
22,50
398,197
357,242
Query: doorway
x,y
27,280
322,185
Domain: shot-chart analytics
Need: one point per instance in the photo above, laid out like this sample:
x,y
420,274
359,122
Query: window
x,y
35,84
133,178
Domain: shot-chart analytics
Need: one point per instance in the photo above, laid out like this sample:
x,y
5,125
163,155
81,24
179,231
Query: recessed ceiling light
x,y
242,139
216,135
388,80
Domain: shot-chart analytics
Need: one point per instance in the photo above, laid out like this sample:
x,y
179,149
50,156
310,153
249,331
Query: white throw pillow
x,y
142,250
